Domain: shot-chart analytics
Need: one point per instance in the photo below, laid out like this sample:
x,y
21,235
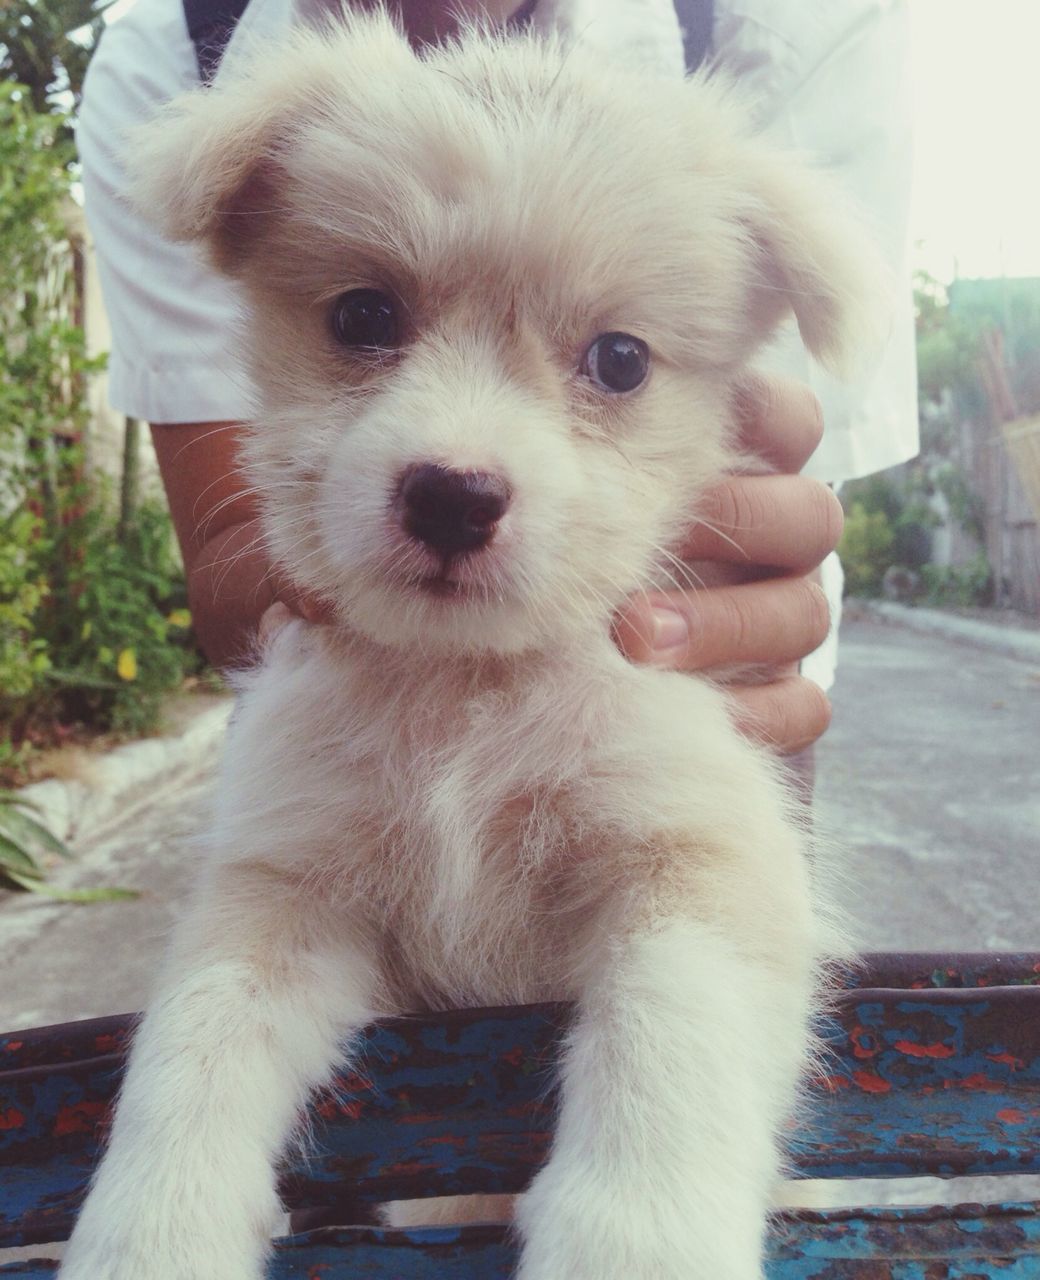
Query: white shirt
x,y
827,77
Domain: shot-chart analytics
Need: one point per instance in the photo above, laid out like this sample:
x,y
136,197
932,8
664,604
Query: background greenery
x,y
94,628
45,46
891,518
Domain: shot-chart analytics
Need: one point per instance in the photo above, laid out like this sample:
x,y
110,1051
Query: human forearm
x,y
215,517
230,584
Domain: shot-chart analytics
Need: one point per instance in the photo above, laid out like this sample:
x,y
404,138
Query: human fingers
x,y
773,621
788,715
778,419
780,521
272,620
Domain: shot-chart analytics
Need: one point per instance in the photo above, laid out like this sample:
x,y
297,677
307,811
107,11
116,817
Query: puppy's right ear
x,y
204,167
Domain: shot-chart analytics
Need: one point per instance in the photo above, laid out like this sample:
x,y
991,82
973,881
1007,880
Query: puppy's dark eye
x,y
617,362
367,319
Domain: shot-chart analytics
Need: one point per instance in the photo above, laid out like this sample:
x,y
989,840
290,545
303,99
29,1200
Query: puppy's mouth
x,y
455,581
442,586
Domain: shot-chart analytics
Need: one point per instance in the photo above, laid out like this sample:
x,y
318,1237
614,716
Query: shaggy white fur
x,y
464,795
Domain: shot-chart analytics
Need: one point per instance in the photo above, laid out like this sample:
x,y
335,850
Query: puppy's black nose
x,y
452,511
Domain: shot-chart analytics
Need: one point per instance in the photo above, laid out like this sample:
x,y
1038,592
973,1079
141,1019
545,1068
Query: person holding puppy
x,y
174,362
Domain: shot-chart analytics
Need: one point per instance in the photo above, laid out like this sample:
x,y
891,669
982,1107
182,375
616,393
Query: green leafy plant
x,y
46,46
865,549
23,840
949,345
966,507
120,639
92,625
889,524
962,586
104,642
41,356
33,181
23,653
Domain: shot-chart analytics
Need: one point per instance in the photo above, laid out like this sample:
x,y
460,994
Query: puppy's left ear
x,y
814,257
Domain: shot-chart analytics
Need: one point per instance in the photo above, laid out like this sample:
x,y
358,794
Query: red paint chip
x,y
924,1050
1012,1115
870,1083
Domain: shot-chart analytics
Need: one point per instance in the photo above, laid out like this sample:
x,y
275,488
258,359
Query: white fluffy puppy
x,y
497,300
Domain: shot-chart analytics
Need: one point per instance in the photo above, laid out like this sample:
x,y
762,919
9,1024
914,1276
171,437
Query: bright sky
x,y
976,207
977,191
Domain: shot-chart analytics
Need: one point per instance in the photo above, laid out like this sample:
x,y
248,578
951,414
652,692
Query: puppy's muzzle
x,y
452,512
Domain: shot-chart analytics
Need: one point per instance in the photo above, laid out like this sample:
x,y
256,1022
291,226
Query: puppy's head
x,y
496,298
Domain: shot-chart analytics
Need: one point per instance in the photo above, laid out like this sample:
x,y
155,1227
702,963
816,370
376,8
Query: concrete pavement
x,y
62,961
994,633
929,779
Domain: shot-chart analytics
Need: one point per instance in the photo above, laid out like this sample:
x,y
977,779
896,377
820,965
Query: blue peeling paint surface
x,y
914,1244
938,1073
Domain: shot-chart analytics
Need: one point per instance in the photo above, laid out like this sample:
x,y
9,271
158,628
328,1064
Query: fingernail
x,y
670,630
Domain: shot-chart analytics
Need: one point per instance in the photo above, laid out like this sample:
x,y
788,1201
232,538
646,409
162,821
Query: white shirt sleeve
x,y
173,319
829,78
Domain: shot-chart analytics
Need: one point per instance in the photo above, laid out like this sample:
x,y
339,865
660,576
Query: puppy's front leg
x,y
257,999
679,1071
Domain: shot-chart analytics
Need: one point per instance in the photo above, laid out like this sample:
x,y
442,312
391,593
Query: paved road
x,y
930,779
930,776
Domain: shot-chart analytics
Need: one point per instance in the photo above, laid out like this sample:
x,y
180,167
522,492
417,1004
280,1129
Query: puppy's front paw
x,y
150,1217
588,1228
116,1258
133,1267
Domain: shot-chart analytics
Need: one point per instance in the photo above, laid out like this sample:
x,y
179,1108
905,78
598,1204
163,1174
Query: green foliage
x,y
33,183
970,584
954,327
948,343
42,358
45,45
966,507
23,654
890,526
86,598
38,354
865,549
109,635
949,350
23,839
876,493
117,640
886,523
104,644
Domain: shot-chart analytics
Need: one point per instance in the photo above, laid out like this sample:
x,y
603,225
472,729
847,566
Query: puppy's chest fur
x,y
498,909
486,870
479,822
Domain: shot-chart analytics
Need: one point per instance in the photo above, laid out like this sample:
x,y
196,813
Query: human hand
x,y
766,534
290,603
